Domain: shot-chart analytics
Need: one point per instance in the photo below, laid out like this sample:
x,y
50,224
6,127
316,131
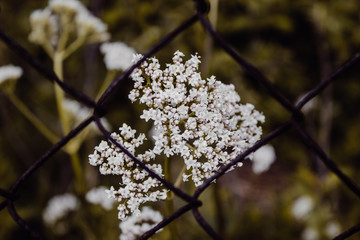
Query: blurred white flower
x,y
99,196
263,158
332,229
66,6
68,17
136,225
9,72
59,206
44,27
91,27
117,55
310,234
302,207
78,113
310,105
75,111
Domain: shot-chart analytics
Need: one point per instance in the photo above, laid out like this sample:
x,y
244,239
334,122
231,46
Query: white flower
x,y
200,120
65,17
91,27
263,158
136,225
310,234
117,55
136,186
78,113
75,111
67,6
99,196
44,27
332,229
59,206
8,77
310,105
302,207
10,72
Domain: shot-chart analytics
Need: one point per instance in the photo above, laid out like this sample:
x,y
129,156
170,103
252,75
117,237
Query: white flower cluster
x,y
302,207
91,27
200,120
67,6
117,55
47,24
135,226
98,196
263,158
9,72
59,206
310,234
332,229
44,27
136,186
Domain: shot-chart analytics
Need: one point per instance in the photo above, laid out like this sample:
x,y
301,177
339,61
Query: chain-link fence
x,y
193,203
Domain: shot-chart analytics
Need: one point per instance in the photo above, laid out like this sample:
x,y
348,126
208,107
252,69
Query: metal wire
x,y
193,202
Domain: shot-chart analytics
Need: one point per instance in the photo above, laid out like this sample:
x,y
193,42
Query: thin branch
x,y
33,119
43,159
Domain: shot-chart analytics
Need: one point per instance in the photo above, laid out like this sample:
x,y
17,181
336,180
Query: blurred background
x,y
295,44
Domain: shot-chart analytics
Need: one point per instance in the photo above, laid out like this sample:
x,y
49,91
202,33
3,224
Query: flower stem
x,y
59,94
64,37
48,49
74,46
179,177
75,143
65,124
78,173
33,119
167,173
108,79
208,43
170,200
